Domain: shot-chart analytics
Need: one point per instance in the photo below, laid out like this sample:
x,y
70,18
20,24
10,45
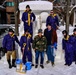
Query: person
x,y
51,37
39,44
67,48
9,46
25,43
52,19
28,17
73,42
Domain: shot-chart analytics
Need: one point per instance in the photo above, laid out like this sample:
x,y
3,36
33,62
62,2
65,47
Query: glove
x,y
4,50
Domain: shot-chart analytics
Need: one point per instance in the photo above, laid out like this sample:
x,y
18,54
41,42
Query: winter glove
x,y
4,50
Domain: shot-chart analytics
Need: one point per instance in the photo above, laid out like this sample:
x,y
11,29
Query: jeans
x,y
50,53
37,53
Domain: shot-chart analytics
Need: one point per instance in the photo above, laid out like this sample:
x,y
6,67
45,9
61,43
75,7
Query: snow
x,y
58,69
36,5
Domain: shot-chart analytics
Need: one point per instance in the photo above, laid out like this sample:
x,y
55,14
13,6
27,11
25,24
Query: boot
x,y
13,63
9,63
52,63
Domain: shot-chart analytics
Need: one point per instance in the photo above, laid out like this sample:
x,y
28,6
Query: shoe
x,y
47,62
32,65
52,63
42,66
69,64
0,58
13,63
36,66
65,64
75,62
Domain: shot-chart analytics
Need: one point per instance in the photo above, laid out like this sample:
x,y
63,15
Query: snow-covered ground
x,y
58,69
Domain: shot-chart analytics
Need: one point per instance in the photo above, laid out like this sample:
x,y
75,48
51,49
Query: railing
x,y
6,26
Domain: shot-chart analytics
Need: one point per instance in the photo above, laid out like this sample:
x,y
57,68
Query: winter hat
x,y
74,30
11,30
64,31
27,6
40,31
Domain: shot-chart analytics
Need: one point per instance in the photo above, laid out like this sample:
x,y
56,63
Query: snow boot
x,y
9,63
13,63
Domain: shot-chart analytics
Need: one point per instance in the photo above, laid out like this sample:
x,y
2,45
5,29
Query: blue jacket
x,y
66,45
9,42
25,42
53,21
28,25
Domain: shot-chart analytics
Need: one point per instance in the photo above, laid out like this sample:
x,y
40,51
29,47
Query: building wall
x,y
10,8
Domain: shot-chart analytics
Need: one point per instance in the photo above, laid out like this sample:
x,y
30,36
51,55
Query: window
x,y
9,3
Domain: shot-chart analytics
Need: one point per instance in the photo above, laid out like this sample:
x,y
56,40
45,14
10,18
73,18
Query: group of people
x,y
43,42
69,47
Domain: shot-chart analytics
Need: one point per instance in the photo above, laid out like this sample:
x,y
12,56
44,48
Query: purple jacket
x,y
53,21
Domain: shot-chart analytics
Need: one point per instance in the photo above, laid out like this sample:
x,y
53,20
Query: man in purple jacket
x,y
73,42
52,19
9,46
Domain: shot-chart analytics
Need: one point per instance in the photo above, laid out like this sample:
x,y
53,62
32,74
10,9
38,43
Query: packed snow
x,y
58,69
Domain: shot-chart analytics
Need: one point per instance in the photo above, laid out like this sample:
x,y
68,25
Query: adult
x,y
67,48
25,43
73,42
51,37
9,46
52,19
28,17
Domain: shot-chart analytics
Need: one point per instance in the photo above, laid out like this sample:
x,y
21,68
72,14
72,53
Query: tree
x,y
67,15
16,17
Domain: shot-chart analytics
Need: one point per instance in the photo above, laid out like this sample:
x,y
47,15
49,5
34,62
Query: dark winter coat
x,y
25,42
53,21
66,45
51,36
9,42
73,41
28,17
